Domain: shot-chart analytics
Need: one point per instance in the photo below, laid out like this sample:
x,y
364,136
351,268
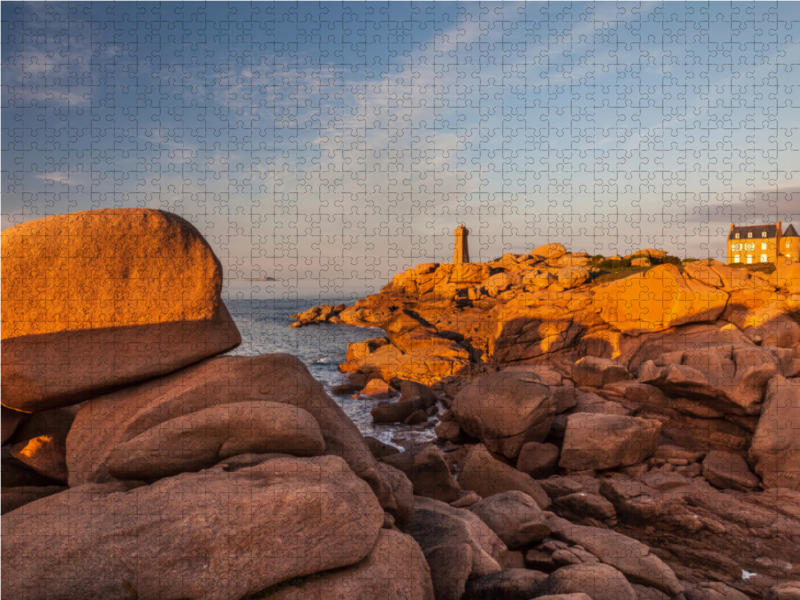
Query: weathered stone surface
x,y
597,441
378,448
395,570
729,471
713,590
41,442
105,423
775,449
450,568
508,584
98,299
198,440
514,517
279,519
486,476
598,581
11,498
597,372
403,492
427,470
439,527
581,506
632,558
789,590
377,388
577,596
399,411
735,373
537,460
15,473
549,251
658,299
505,410
571,277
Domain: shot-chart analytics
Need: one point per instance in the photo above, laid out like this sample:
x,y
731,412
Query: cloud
x,y
751,207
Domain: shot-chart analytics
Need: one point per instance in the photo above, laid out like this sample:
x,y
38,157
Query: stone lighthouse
x,y
461,251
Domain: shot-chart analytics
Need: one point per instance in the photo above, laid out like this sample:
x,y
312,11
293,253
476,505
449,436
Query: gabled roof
x,y
756,230
790,231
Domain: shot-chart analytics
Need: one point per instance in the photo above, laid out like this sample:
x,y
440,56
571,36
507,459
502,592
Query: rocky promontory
x,y
650,406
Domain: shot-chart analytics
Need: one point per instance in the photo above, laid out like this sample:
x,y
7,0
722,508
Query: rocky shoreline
x,y
627,439
662,404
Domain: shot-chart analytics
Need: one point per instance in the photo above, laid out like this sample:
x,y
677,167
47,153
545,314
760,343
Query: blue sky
x,y
331,145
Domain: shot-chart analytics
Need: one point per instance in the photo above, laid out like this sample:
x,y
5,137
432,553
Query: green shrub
x,y
615,264
690,260
671,260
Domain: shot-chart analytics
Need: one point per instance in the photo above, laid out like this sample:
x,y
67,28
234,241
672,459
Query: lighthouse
x,y
461,251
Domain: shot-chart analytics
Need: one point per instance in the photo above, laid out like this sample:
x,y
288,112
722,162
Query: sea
x,y
265,326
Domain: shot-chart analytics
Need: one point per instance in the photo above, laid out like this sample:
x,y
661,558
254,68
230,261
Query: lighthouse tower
x,y
461,251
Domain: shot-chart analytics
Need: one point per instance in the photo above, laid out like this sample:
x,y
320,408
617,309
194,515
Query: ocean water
x,y
266,328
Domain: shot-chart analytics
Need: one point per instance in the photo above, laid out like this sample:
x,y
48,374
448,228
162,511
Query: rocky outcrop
x,y
776,445
327,313
130,294
597,441
428,472
514,517
138,419
291,516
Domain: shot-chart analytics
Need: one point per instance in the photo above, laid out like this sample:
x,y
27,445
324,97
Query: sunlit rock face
x,y
100,299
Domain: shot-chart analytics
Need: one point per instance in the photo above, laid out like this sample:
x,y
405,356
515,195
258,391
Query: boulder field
x,y
643,430
580,455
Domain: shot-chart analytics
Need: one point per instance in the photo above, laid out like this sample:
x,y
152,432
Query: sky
x,y
332,145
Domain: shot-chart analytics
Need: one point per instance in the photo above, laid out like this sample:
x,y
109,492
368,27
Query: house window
x,y
737,247
737,236
749,259
788,243
763,234
750,234
763,245
750,246
763,258
736,258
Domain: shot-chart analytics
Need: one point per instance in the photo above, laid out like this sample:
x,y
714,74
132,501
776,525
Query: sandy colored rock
x,y
403,492
727,470
98,299
549,251
658,299
642,261
105,423
396,569
279,519
571,277
597,441
735,373
775,448
789,590
514,517
505,410
485,475
597,372
377,388
598,581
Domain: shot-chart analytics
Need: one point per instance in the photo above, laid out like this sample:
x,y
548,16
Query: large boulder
x,y
721,375
598,581
100,299
485,475
728,470
11,498
597,372
505,410
395,570
514,517
508,584
456,543
221,533
775,448
629,556
551,251
571,277
598,441
428,472
658,299
129,417
10,420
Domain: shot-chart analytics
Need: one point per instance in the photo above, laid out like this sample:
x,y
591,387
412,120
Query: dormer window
x,y
737,236
749,235
763,234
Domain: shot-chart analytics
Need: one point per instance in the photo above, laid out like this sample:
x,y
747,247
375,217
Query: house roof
x,y
756,230
790,231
